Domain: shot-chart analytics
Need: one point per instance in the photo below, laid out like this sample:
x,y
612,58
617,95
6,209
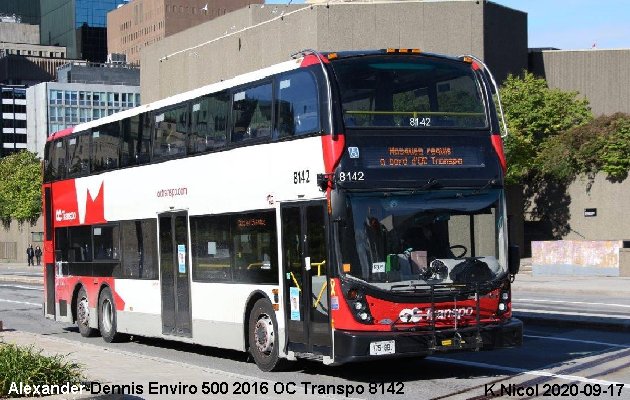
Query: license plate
x,y
384,347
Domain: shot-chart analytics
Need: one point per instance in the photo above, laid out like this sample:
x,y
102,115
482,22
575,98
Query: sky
x,y
569,24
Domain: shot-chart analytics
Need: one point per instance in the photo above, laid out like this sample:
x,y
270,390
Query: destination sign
x,y
423,156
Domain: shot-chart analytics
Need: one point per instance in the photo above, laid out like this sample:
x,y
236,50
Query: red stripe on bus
x,y
333,149
497,143
312,60
60,134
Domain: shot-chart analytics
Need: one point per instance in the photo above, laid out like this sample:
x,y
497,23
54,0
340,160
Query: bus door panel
x,y
305,277
175,274
317,255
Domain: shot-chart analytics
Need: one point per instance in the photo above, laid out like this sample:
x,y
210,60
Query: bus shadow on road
x,y
535,354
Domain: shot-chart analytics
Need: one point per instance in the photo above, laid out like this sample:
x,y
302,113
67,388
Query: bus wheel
x,y
107,317
263,336
83,314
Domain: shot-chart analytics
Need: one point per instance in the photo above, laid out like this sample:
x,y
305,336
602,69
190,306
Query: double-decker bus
x,y
338,206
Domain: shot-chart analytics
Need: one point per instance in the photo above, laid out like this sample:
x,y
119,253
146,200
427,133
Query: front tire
x,y
83,314
107,324
263,337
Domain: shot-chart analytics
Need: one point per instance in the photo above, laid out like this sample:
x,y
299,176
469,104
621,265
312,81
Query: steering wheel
x,y
460,247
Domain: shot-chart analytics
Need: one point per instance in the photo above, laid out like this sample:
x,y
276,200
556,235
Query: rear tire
x,y
83,314
263,337
107,324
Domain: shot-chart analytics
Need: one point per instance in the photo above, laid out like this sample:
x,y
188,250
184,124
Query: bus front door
x,y
304,238
175,274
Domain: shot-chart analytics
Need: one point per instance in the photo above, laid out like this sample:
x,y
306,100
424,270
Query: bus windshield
x,y
438,237
409,91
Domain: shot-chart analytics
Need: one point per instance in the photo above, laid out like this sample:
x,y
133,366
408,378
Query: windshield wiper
x,y
491,182
407,286
431,183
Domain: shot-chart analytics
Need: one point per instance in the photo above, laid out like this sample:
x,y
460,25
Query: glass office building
x,y
80,25
71,105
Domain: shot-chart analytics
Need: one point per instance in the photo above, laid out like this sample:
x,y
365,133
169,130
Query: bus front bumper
x,y
355,346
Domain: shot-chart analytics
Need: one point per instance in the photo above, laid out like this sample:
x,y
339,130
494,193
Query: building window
x,y
37,236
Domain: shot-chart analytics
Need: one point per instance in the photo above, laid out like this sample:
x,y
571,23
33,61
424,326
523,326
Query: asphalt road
x,y
577,303
591,360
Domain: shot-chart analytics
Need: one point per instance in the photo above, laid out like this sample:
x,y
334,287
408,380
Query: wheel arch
x,y
249,304
104,286
75,295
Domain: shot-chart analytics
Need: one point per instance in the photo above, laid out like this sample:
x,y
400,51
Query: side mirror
x,y
514,259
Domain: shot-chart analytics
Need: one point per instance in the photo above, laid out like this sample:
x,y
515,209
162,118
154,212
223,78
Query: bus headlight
x,y
358,304
504,300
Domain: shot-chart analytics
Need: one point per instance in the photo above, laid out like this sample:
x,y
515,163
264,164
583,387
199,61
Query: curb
x,y
601,323
521,289
22,279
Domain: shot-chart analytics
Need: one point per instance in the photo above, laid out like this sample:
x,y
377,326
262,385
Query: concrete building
x,y
79,25
23,40
15,32
261,35
602,76
106,73
141,23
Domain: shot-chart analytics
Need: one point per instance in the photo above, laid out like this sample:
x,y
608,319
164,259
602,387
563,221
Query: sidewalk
x,y
21,273
148,372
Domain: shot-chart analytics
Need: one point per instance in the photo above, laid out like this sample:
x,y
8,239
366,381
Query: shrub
x,y
28,366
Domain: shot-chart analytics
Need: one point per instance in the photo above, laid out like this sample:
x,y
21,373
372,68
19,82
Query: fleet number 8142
x,y
351,176
418,122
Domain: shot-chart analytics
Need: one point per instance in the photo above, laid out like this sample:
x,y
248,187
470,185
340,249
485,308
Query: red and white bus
x,y
338,206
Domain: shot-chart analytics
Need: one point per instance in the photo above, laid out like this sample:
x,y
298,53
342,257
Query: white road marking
x,y
623,346
579,314
23,287
21,302
573,378
572,302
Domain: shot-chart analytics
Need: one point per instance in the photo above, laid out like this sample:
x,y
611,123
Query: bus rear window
x,y
409,91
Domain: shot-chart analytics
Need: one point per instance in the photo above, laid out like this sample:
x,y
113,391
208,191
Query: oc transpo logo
x,y
62,215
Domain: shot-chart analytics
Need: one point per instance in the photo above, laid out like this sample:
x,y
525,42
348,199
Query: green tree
x,y
535,113
20,187
600,145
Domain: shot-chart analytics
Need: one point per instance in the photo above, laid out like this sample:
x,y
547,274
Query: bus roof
x,y
181,97
236,81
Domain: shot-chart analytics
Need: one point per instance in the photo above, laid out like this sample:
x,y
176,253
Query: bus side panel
x,y
218,312
142,307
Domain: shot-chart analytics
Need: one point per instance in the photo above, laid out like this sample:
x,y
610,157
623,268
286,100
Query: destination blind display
x,y
423,156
